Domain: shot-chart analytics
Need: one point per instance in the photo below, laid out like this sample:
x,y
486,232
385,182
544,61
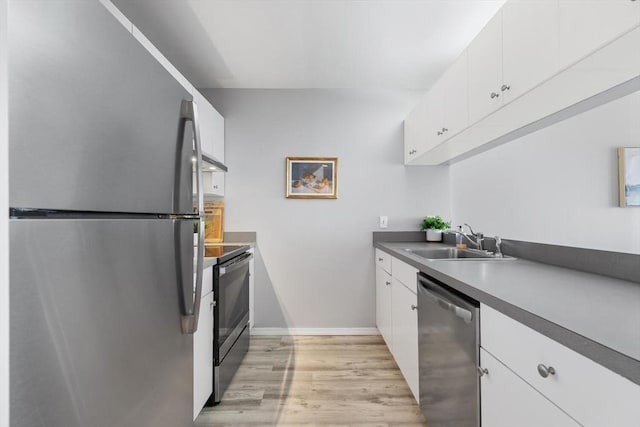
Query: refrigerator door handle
x,y
189,112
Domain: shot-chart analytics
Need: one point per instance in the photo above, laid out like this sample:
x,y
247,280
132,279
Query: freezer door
x,y
94,118
95,318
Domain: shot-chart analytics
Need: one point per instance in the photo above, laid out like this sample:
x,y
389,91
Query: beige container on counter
x,y
214,222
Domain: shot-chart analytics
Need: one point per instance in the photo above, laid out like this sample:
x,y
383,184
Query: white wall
x,y
315,264
4,222
558,185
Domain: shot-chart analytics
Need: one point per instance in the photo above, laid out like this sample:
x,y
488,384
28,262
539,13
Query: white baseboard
x,y
315,331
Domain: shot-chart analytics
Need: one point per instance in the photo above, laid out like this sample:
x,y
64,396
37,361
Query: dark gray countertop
x,y
594,315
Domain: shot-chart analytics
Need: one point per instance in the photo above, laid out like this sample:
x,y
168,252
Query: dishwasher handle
x,y
438,295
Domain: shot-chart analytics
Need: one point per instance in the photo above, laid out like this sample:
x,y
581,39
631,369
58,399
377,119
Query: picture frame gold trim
x,y
312,189
622,180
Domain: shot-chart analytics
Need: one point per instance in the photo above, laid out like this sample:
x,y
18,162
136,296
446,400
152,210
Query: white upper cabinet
x,y
587,25
455,98
534,60
515,52
529,45
212,135
442,112
423,126
485,70
211,127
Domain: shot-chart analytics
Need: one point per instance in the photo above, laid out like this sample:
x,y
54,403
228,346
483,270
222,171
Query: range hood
x,y
211,164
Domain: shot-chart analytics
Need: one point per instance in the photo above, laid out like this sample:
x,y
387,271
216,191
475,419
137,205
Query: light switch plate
x,y
384,221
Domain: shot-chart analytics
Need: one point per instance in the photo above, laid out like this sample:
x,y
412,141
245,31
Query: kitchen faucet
x,y
498,251
479,237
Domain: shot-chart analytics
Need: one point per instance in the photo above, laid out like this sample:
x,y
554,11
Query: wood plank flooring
x,y
316,380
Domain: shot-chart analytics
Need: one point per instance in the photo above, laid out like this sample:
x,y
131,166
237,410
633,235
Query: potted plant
x,y
434,226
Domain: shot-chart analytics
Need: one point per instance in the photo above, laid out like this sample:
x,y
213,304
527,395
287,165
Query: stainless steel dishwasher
x,y
448,329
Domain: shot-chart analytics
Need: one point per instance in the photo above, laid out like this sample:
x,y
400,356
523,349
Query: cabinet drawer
x,y
383,259
507,401
590,393
405,274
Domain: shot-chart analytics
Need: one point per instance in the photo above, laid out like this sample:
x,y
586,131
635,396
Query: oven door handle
x,y
235,264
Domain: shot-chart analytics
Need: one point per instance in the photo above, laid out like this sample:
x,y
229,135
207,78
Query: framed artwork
x,y
629,173
312,178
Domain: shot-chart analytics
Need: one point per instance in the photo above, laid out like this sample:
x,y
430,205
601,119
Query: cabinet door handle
x,y
482,371
545,371
414,307
215,186
380,259
387,283
494,95
505,87
439,133
445,130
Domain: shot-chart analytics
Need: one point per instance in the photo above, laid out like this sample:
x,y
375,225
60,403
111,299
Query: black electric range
x,y
224,253
230,312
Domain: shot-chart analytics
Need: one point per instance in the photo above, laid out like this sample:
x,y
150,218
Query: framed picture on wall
x,y
629,172
312,178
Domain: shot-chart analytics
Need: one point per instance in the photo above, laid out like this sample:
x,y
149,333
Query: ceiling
x,y
394,44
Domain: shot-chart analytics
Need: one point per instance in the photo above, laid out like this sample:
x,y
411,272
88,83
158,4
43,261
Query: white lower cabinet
x,y
383,305
508,401
404,317
585,390
203,347
397,315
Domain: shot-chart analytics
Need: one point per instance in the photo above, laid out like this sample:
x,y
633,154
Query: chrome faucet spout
x,y
470,230
498,250
479,238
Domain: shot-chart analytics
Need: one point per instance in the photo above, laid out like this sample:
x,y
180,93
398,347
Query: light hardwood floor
x,y
316,380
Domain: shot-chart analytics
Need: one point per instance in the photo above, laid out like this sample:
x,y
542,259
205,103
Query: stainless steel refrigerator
x,y
101,224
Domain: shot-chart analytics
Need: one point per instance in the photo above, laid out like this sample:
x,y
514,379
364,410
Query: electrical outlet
x,y
384,221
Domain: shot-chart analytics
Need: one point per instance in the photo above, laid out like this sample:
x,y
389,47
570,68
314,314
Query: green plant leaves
x,y
434,223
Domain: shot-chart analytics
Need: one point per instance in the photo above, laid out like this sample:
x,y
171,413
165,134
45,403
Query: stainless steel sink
x,y
455,254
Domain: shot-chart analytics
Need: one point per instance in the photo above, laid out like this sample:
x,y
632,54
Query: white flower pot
x,y
434,235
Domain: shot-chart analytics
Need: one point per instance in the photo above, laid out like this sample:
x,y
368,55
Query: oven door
x,y
231,312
